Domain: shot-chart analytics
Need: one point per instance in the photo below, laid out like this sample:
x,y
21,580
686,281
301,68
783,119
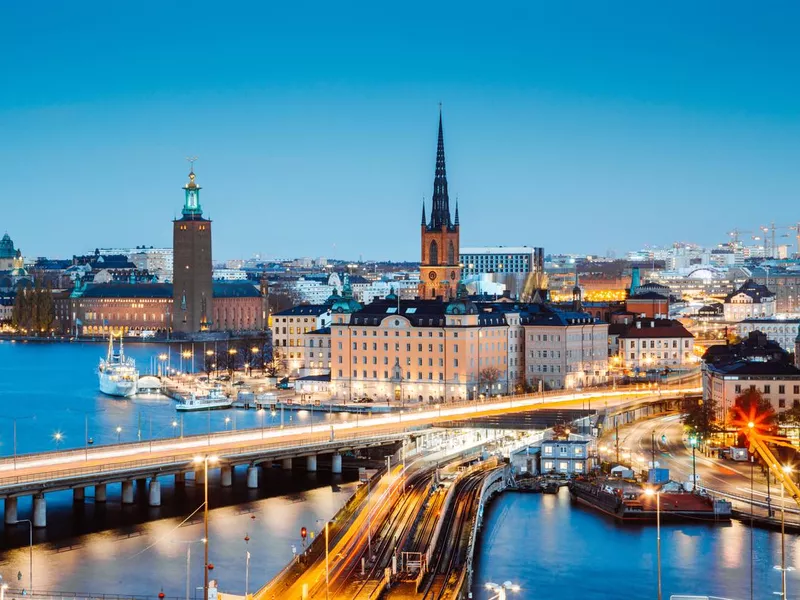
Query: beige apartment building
x,y
435,351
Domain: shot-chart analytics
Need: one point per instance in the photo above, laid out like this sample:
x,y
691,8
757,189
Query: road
x,y
723,476
49,467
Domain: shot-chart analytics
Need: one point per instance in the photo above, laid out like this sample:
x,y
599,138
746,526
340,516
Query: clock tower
x,y
192,289
440,269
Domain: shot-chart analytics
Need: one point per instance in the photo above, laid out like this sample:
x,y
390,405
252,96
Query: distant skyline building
x,y
439,271
192,280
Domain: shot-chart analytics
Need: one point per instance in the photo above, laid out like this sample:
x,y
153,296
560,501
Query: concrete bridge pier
x,y
127,492
100,493
155,492
39,511
252,477
226,476
10,511
336,463
78,494
180,478
287,464
311,463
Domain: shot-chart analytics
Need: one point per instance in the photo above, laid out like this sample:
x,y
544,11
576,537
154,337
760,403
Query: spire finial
x,y
191,160
440,212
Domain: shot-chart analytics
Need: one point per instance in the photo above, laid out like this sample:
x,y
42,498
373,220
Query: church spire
x,y
456,222
423,212
440,214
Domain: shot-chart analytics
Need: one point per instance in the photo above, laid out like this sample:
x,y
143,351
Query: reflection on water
x,y
554,549
143,558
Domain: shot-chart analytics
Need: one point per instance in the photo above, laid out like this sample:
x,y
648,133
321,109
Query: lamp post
x,y
57,437
783,568
327,569
693,442
119,433
30,551
500,589
204,460
189,559
652,492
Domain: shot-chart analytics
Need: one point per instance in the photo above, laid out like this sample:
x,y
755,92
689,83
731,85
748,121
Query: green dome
x,y
346,304
7,247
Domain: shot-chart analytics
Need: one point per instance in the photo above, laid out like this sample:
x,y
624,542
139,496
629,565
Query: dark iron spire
x,y
440,213
423,213
456,221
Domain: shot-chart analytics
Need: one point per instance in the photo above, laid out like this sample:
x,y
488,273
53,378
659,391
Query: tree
x,y
522,385
487,377
47,309
277,364
699,416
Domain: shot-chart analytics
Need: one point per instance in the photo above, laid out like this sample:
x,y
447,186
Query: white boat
x,y
214,399
117,373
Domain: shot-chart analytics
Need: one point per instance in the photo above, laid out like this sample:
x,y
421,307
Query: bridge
x,y
39,473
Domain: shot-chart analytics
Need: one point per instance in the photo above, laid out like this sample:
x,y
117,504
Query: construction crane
x,y
734,234
758,435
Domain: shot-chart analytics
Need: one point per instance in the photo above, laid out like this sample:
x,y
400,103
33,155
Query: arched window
x,y
434,253
451,254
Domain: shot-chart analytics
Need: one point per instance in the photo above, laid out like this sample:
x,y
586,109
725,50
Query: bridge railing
x,y
171,461
187,444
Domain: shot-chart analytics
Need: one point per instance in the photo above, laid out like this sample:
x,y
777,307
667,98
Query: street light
x,y
30,551
693,442
204,460
189,558
57,437
787,469
652,492
500,589
119,433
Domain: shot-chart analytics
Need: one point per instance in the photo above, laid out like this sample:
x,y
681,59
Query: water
x,y
555,549
110,548
52,388
551,548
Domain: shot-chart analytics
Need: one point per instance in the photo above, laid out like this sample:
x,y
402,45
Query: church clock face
x,y
432,275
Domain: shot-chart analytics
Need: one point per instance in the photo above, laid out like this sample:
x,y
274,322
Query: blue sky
x,y
580,126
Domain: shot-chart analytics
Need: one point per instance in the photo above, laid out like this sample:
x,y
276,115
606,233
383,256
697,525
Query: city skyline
x,y
542,111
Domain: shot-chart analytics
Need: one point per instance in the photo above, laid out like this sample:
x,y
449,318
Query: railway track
x,y
451,550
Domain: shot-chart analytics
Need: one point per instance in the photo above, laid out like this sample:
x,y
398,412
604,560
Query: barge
x,y
627,502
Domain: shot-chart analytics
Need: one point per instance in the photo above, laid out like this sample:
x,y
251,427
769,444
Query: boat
x,y
117,373
627,502
213,400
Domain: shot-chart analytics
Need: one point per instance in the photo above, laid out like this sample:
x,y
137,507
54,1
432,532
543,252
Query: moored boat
x,y
213,400
628,502
117,373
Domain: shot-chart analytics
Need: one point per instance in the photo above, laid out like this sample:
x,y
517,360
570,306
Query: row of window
x,y
768,389
657,344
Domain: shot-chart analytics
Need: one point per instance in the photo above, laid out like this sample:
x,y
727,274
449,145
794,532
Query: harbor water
x,y
550,547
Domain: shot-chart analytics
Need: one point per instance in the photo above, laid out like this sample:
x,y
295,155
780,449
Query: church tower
x,y
440,270
192,291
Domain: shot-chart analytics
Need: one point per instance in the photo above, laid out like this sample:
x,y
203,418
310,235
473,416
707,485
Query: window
x,y
766,389
781,403
781,389
737,389
796,389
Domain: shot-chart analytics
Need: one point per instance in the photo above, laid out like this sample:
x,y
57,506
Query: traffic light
x,y
693,441
303,532
663,438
